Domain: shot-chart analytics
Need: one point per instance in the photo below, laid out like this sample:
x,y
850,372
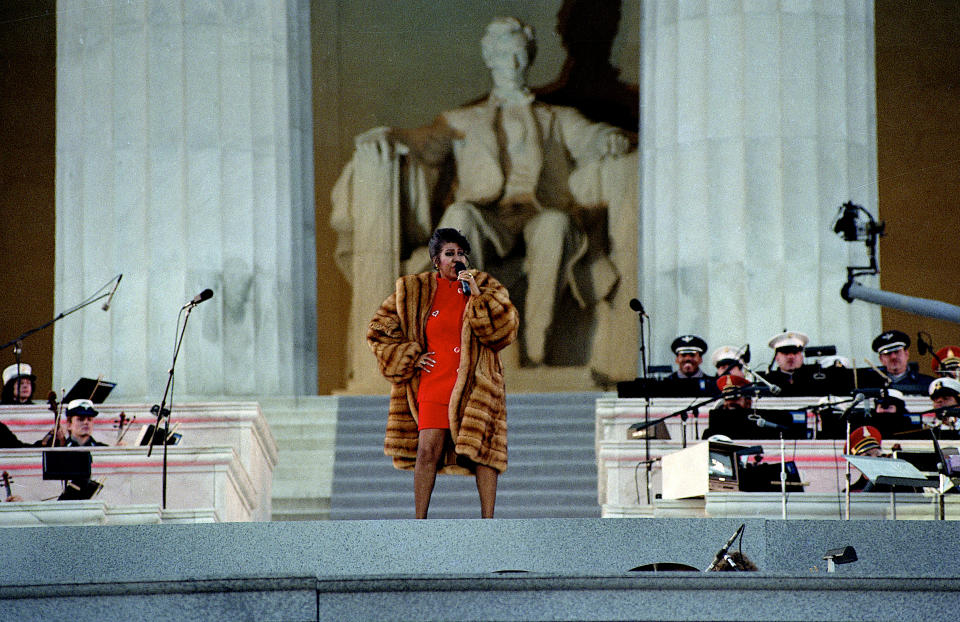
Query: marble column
x,y
184,162
758,123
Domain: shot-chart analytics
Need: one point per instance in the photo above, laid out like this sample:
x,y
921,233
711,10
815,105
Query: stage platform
x,y
525,569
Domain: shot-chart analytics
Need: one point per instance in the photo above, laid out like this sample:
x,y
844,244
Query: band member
x,y
437,339
865,441
729,417
728,360
731,388
80,416
793,375
895,370
945,393
18,384
688,350
946,362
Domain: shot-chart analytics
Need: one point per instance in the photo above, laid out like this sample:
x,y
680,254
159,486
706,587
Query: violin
x,y
123,425
51,439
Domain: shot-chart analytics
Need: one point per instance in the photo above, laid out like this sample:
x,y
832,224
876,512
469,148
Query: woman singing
x,y
437,339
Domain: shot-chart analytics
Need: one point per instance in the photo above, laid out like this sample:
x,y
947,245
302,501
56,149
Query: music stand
x,y
74,469
889,471
67,465
89,389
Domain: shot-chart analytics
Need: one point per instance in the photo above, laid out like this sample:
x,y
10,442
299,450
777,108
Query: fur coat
x,y
478,413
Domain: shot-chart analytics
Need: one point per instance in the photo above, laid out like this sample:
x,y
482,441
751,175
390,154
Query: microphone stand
x,y
681,413
774,389
60,316
846,417
783,479
164,413
638,307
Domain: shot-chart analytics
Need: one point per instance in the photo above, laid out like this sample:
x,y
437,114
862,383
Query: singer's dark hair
x,y
445,236
738,562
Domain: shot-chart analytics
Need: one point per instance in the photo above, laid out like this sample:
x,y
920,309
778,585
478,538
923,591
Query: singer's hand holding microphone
x,y
466,278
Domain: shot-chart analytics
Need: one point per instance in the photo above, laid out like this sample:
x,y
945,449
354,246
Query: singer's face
x,y
689,362
450,253
895,362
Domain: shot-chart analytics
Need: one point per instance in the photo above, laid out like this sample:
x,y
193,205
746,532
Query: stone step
x,y
551,472
305,431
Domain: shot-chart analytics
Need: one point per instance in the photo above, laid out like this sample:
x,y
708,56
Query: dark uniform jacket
x,y
810,380
912,382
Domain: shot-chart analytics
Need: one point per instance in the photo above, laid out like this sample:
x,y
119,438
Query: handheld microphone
x,y
459,267
206,294
636,306
722,553
106,305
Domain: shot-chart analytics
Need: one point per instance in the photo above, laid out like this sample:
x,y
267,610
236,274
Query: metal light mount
x,y
845,555
852,228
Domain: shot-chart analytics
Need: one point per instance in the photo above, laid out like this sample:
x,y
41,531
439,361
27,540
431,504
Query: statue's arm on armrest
x,y
430,145
588,140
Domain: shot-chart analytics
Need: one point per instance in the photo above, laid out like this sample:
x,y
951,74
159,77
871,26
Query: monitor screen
x,y
722,466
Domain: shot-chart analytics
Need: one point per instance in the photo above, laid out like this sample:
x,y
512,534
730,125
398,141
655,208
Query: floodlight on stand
x,y
851,226
845,555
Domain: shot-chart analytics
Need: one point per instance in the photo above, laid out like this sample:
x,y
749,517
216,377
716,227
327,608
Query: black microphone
x,y
856,400
459,267
636,306
722,553
922,346
763,423
744,354
206,294
106,305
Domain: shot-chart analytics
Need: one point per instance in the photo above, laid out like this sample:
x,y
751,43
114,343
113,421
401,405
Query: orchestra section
x,y
782,457
217,466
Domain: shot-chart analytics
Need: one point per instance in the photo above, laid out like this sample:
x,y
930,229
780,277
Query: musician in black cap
x,y
895,371
689,378
689,351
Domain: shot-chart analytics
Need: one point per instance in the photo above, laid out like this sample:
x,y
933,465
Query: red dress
x,y
443,339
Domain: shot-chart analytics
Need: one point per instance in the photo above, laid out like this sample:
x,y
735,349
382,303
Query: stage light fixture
x,y
845,555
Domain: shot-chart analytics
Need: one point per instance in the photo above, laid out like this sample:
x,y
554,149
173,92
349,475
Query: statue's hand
x,y
379,142
617,144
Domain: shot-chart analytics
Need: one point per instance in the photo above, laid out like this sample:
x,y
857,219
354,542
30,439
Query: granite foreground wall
x,y
461,569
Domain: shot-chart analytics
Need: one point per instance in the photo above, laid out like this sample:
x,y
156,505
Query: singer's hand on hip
x,y
426,361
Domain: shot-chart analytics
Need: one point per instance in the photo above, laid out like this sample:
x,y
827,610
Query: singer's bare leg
x,y
429,452
487,487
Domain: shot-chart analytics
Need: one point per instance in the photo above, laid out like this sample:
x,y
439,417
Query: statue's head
x,y
509,47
